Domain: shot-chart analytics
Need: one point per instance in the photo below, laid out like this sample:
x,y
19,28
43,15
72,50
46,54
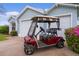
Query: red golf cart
x,y
47,37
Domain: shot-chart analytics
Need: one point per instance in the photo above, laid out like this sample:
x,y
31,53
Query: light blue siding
x,y
60,11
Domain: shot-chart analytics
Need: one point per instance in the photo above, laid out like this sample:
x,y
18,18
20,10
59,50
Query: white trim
x,y
51,8
62,4
71,20
29,7
70,5
59,15
25,20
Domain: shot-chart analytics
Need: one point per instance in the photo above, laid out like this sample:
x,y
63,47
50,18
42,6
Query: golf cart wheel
x,y
60,44
29,50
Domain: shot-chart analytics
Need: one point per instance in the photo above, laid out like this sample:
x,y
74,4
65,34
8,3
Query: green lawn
x,y
3,37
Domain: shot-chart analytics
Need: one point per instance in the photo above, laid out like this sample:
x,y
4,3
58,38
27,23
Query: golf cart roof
x,y
45,19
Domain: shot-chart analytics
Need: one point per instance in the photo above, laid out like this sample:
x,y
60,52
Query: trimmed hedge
x,y
72,38
13,33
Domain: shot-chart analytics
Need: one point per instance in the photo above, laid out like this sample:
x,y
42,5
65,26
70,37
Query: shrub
x,y
72,38
4,29
13,33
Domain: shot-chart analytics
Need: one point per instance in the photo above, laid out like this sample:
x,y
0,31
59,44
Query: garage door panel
x,y
65,22
25,28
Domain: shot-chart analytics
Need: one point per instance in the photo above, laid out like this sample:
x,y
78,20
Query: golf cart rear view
x,y
45,36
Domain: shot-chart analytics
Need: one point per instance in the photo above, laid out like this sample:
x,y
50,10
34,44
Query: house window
x,y
13,26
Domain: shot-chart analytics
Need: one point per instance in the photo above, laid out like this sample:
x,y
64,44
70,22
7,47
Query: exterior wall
x,y
16,25
65,12
23,21
60,11
10,25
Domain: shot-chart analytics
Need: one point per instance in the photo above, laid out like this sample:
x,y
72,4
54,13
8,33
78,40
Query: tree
x,y
4,29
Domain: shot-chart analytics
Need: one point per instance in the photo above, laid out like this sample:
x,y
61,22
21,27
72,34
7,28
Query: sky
x,y
15,9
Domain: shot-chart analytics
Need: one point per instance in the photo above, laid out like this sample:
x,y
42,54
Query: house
x,y
12,23
67,13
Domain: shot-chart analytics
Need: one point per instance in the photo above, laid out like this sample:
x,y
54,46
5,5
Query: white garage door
x,y
24,28
65,22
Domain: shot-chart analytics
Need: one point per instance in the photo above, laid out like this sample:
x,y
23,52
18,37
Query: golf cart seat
x,y
52,31
44,36
49,33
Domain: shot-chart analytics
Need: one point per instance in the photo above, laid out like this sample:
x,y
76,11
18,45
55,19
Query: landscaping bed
x,y
72,38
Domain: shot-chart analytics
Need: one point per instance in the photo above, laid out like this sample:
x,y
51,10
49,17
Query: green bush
x,y
4,29
13,33
72,40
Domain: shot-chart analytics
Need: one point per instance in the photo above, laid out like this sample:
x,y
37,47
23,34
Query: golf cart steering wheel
x,y
42,29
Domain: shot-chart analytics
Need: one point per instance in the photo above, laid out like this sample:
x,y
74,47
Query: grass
x,y
3,37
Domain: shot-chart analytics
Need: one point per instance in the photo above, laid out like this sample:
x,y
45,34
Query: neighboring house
x,y
67,13
12,23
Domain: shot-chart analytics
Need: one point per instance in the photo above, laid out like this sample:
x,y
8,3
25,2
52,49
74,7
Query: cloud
x,y
4,18
12,13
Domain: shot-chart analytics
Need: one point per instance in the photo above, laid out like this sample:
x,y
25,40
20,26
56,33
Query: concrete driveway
x,y
14,47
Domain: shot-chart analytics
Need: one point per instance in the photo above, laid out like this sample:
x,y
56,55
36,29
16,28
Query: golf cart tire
x,y
27,51
60,44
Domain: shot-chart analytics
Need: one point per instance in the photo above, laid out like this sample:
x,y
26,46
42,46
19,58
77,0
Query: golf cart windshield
x,y
42,19
32,28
